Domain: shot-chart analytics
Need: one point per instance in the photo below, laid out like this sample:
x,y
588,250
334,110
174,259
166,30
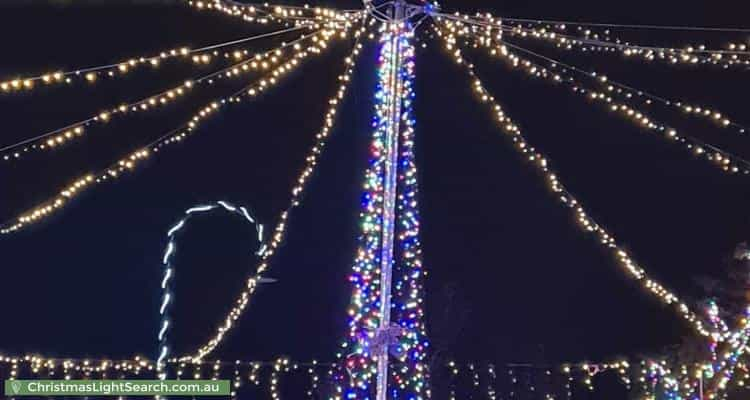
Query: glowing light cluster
x,y
129,162
585,222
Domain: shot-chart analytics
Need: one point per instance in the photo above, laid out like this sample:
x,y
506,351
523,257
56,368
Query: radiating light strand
x,y
176,135
92,74
585,222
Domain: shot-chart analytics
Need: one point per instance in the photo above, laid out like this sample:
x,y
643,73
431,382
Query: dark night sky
x,y
85,282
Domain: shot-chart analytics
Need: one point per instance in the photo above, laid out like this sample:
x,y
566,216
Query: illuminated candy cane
x,y
171,249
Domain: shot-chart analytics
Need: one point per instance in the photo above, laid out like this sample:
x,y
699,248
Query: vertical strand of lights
x,y
371,334
410,370
268,13
363,313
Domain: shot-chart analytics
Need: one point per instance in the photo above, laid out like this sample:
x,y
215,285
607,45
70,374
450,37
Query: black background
x,y
85,282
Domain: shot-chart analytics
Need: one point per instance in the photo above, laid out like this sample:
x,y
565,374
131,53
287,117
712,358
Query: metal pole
x,y
390,189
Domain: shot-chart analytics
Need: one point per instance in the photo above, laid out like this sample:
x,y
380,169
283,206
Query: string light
x,y
32,367
585,222
200,55
722,159
589,41
129,162
279,232
279,366
707,113
736,340
169,268
314,379
406,342
266,13
411,376
260,61
491,41
406,339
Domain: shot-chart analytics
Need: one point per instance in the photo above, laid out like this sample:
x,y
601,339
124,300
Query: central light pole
x,y
390,189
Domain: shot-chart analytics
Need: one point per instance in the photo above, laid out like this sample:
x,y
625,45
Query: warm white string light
x,y
279,232
588,41
722,159
332,22
632,374
93,74
717,334
707,113
585,222
267,13
129,162
632,26
259,61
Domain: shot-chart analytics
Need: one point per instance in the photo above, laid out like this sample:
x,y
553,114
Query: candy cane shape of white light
x,y
171,249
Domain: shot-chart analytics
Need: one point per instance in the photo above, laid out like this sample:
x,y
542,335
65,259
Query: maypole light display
x,y
387,338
